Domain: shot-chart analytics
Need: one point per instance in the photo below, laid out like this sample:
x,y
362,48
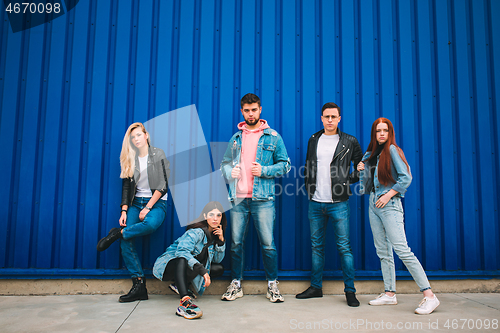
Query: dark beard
x,y
250,123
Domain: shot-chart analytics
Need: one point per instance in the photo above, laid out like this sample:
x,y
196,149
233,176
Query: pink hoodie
x,y
250,139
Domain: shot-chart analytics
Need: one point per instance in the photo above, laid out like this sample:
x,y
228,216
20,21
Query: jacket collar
x,y
151,153
339,147
320,132
266,131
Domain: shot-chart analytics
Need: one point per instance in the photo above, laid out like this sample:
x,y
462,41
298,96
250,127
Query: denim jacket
x,y
271,154
400,172
188,246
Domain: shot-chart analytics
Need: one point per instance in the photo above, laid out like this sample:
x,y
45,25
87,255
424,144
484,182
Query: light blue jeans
x,y
389,233
136,228
319,213
263,214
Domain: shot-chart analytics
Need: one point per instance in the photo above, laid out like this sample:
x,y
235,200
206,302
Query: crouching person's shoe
x,y
188,309
113,235
137,293
173,287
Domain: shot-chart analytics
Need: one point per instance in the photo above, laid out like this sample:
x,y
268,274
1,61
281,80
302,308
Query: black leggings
x,y
178,270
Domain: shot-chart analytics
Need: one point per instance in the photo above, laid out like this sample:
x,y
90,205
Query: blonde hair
x,y
127,156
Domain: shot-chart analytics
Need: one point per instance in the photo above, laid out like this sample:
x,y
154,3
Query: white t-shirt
x,y
143,190
324,152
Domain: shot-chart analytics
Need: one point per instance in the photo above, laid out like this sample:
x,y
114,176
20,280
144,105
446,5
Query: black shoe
x,y
310,293
137,293
104,243
351,298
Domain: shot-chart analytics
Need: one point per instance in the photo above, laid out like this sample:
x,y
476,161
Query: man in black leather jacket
x,y
327,179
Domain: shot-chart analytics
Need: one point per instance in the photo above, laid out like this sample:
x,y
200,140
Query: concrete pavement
x,y
252,313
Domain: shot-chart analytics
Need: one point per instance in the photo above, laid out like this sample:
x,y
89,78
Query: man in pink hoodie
x,y
255,155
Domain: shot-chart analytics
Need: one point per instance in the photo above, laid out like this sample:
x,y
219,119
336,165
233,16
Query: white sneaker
x,y
233,292
273,293
383,299
427,305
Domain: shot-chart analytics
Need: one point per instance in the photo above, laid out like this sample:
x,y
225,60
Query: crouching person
x,y
194,258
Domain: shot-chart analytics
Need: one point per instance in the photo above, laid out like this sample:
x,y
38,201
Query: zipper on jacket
x,y
339,153
344,154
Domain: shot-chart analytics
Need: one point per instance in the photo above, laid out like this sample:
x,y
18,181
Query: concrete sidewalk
x,y
252,313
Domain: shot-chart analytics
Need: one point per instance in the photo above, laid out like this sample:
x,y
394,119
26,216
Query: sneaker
x,y
273,293
233,292
173,287
188,309
427,305
383,299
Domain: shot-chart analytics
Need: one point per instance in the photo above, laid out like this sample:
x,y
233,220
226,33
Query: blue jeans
x,y
319,214
136,228
263,214
389,233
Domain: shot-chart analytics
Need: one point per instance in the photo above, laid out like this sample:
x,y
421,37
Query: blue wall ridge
x,y
69,88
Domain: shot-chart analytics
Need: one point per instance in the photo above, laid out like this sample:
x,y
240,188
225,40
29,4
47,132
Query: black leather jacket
x,y
158,173
348,150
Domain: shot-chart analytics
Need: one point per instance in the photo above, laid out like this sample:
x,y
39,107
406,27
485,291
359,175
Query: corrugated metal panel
x,y
69,89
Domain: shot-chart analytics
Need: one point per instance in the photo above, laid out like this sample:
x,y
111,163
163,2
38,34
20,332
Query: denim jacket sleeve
x,y
219,253
363,175
281,162
403,179
226,165
187,244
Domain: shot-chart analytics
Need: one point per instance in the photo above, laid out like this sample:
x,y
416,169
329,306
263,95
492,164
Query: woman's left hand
x,y
143,213
207,279
383,200
218,232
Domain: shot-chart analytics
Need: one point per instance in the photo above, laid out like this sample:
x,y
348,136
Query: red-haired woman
x,y
386,177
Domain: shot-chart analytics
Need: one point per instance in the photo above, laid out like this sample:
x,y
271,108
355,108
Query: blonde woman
x,y
144,171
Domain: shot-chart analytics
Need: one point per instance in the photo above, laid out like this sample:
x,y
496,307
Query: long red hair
x,y
384,164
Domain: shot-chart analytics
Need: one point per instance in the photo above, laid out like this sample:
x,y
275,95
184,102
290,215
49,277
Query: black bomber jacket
x,y
158,174
348,150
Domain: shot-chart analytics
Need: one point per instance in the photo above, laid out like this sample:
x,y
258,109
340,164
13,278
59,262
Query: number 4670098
x,y
33,8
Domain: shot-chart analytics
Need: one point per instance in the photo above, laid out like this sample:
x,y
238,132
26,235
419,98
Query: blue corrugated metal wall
x,y
70,88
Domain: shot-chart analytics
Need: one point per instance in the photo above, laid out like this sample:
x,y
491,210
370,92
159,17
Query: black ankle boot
x,y
113,235
137,293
